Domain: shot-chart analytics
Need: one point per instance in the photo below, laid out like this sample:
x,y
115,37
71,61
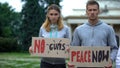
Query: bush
x,y
8,45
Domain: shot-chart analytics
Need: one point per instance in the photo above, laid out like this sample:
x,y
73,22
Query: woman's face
x,y
53,16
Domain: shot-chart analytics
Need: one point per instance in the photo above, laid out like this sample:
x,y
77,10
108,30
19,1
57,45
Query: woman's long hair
x,y
47,23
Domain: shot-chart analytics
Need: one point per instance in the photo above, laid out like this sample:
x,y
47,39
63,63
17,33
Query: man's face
x,y
92,12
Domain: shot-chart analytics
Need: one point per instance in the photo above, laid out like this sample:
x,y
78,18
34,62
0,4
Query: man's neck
x,y
93,22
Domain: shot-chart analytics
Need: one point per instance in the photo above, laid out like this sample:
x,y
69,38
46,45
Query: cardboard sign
x,y
87,56
50,47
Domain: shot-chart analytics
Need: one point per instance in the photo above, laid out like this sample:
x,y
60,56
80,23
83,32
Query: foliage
x,y
8,45
23,26
9,28
46,3
32,18
7,17
33,15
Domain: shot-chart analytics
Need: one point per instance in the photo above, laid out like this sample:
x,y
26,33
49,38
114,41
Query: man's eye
x,y
94,9
89,10
56,14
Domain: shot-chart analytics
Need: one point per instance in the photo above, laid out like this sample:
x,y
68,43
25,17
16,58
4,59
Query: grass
x,y
20,60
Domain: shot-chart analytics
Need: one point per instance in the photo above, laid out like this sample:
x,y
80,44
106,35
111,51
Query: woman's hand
x,y
30,50
68,49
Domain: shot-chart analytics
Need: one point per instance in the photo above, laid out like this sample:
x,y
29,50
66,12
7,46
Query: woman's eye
x,y
51,14
54,14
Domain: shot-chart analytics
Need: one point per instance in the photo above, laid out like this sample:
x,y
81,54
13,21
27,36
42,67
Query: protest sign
x,y
50,47
89,56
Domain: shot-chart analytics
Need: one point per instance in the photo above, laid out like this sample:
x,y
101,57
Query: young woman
x,y
53,27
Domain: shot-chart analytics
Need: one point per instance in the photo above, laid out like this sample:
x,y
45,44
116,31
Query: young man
x,y
95,32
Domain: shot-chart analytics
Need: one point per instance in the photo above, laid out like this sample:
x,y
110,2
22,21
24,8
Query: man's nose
x,y
92,11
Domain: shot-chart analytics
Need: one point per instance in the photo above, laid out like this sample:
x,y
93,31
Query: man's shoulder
x,y
106,25
81,26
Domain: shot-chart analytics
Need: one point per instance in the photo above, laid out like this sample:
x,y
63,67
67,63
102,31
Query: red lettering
x,y
85,56
36,45
78,56
73,54
82,60
42,46
39,46
81,56
89,57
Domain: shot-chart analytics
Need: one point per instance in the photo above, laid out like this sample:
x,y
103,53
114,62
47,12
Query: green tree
x,y
7,17
15,24
46,3
8,33
33,16
57,2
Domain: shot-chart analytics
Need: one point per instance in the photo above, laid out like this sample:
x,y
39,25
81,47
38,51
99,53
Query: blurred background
x,y
20,20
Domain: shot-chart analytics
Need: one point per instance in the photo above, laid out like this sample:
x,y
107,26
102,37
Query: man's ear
x,y
86,12
100,11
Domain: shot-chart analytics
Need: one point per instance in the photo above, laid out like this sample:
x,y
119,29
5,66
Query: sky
x,y
15,4
67,5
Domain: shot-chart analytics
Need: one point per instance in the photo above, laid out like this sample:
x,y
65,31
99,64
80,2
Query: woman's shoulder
x,y
42,28
66,27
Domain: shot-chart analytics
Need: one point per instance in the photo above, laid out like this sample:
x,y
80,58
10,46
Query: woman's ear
x,y
47,16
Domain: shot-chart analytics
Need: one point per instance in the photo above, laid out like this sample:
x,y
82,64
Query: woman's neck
x,y
53,26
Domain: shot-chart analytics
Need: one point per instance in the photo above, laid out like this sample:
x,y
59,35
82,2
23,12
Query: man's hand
x,y
109,65
70,65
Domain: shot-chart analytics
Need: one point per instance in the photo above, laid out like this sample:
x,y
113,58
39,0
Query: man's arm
x,y
76,39
113,44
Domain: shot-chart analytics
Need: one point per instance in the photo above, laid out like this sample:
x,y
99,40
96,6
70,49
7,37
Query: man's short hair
x,y
92,2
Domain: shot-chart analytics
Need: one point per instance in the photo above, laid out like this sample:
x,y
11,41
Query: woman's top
x,y
54,33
